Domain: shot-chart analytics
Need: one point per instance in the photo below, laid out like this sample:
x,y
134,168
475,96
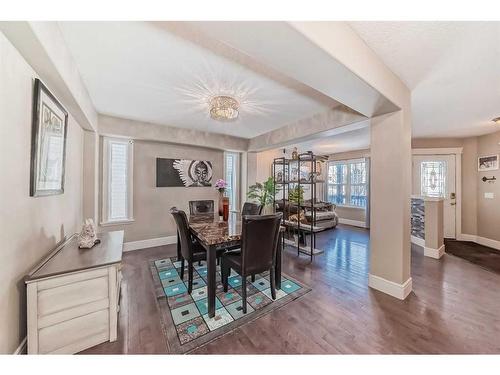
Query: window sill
x,y
118,222
348,206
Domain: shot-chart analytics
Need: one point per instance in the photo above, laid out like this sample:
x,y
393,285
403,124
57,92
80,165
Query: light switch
x,y
489,195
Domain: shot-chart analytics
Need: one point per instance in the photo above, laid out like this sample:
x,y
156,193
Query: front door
x,y
434,176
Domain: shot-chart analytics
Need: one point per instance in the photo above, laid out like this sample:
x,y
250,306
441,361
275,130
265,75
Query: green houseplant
x,y
296,195
263,192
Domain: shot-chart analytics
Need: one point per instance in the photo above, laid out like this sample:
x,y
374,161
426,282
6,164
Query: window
x,y
347,183
433,178
231,176
117,180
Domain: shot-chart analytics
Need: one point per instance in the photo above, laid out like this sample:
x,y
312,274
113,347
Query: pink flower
x,y
220,184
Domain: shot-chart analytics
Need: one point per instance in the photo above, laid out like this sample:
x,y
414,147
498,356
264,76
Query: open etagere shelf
x,y
291,174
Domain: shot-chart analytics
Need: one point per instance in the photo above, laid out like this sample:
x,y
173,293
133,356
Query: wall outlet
x,y
489,195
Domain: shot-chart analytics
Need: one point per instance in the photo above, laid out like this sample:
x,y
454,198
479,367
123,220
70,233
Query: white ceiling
x,y
141,71
452,68
349,141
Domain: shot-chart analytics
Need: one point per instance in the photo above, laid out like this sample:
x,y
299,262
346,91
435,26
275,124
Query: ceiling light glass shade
x,y
496,120
224,108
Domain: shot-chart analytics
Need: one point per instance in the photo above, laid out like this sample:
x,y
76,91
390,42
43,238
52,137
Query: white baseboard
x,y
152,242
21,349
480,240
434,253
467,237
354,223
418,241
391,288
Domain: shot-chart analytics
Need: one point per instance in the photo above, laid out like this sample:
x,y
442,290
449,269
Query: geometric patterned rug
x,y
184,317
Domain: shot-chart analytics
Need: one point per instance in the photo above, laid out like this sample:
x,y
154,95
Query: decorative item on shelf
x,y
225,208
221,186
489,179
88,237
264,193
295,154
296,195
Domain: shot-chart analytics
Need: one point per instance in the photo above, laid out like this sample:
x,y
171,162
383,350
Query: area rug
x,y
483,256
185,320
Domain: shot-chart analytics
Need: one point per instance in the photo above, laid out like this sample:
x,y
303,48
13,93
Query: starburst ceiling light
x,y
224,108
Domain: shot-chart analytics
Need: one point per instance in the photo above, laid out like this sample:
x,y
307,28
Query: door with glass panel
x,y
434,176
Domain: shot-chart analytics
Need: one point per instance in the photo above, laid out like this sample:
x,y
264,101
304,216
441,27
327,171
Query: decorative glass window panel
x,y
433,178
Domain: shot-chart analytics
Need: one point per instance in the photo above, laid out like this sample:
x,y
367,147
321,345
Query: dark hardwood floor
x,y
454,307
483,256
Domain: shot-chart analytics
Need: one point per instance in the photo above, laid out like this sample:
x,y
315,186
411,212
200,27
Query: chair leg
x,y
244,293
225,271
190,277
199,262
182,269
273,282
253,278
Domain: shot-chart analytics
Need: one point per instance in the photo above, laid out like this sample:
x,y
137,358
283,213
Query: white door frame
x,y
457,151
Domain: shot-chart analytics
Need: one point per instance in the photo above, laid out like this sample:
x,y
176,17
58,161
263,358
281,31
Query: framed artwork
x,y
48,143
183,173
487,163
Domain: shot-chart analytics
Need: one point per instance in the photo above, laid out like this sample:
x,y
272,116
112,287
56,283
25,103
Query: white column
x,y
390,204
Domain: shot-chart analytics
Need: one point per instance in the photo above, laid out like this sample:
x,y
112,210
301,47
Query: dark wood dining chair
x,y
191,250
259,242
202,207
250,208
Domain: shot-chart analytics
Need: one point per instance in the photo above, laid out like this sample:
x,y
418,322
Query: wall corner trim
x,y
494,244
434,253
152,242
21,349
399,291
418,241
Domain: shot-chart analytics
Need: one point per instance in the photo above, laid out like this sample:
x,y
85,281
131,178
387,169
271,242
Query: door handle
x,y
453,203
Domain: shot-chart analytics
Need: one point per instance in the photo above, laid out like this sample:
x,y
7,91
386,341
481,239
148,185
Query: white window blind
x,y
117,181
347,183
231,175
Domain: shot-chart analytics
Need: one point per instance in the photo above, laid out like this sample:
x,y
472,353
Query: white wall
x,y
29,227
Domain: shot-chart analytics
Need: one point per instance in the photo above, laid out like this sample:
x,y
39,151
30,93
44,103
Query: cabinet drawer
x,y
70,295
65,334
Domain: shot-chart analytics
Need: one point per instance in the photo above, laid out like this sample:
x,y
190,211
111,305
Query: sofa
x,y
326,217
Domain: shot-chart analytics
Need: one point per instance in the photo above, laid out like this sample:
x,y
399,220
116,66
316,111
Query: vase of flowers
x,y
220,186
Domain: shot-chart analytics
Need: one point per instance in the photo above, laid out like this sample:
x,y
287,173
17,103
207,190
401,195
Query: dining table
x,y
215,234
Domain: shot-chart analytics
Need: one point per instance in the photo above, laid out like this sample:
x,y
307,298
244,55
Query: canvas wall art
x,y
48,143
487,163
183,173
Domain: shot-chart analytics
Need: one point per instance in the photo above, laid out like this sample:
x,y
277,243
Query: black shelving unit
x,y
287,180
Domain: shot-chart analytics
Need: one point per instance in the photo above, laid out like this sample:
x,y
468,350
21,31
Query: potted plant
x,y
296,195
263,193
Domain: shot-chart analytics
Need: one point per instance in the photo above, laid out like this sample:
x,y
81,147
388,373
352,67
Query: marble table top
x,y
211,230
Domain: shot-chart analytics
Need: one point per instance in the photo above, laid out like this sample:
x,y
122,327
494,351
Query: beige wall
x,y
480,216
488,210
30,227
152,204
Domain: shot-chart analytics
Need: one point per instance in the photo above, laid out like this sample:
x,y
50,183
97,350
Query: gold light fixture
x,y
224,108
496,120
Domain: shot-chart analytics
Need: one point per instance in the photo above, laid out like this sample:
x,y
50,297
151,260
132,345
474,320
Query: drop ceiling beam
x,y
43,47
